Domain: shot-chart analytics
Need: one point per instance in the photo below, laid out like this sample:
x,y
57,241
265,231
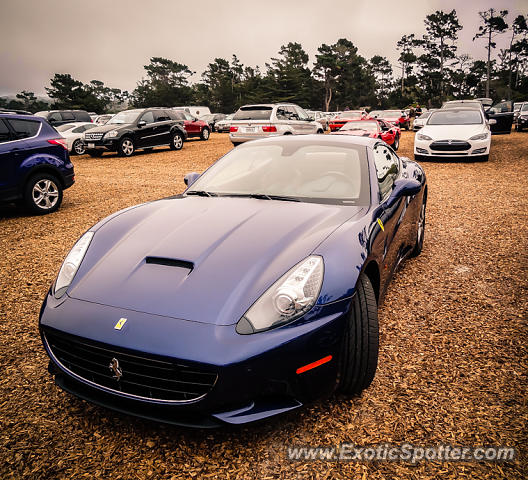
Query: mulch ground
x,y
453,358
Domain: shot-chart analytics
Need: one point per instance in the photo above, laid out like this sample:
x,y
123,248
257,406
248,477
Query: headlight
x,y
111,134
71,265
290,297
421,136
480,136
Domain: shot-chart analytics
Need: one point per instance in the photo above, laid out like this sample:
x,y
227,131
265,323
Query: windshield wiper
x,y
262,196
201,193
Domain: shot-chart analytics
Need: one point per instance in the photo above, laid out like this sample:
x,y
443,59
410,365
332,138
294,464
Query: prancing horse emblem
x,y
116,369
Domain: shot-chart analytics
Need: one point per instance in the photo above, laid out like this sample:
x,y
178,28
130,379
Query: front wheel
x,y
396,143
126,147
79,147
205,134
43,193
176,142
321,132
359,357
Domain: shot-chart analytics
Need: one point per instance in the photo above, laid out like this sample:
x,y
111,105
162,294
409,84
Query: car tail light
x,y
269,128
233,129
59,141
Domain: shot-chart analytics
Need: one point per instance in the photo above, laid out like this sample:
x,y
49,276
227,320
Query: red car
x,y
193,126
373,128
396,117
349,116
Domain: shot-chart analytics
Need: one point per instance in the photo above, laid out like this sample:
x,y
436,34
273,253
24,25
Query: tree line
x,y
430,70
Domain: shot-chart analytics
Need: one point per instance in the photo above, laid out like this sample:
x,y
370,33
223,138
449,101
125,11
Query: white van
x,y
195,110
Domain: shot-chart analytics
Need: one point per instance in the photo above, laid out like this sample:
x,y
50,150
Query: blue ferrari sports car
x,y
253,292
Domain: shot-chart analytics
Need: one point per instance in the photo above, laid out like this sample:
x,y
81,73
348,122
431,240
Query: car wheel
x,y
43,193
321,132
420,233
126,147
205,134
176,141
95,153
359,356
396,143
79,147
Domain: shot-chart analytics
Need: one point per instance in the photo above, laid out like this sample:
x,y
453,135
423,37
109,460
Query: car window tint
x,y
281,114
161,116
67,116
176,115
78,129
147,117
4,132
24,128
253,113
302,114
292,113
55,116
386,168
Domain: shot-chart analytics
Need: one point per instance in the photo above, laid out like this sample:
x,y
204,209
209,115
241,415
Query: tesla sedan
x,y
250,294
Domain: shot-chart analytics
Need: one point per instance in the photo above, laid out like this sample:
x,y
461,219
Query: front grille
x,y
450,146
143,375
93,136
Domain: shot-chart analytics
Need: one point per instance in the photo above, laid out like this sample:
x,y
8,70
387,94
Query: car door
x,y
145,135
294,121
306,125
10,156
162,128
502,113
193,129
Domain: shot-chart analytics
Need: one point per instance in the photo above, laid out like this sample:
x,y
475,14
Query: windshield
x,y
63,128
455,117
462,104
360,127
297,170
257,112
345,115
524,108
128,116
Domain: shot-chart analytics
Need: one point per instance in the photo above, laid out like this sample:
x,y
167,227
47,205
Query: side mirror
x,y
405,187
190,178
492,121
141,123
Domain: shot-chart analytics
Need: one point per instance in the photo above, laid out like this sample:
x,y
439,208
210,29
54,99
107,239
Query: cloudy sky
x,y
111,40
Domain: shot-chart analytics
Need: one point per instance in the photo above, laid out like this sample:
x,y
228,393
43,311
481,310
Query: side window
x,y
78,129
67,116
161,116
281,114
302,114
54,117
188,116
148,117
386,168
176,115
292,113
4,132
24,128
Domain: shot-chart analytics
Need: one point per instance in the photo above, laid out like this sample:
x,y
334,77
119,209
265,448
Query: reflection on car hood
x,y
236,248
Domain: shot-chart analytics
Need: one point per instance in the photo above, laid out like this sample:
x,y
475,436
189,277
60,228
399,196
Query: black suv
x,y
131,130
60,117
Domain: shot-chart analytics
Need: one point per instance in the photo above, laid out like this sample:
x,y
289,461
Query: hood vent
x,y
170,262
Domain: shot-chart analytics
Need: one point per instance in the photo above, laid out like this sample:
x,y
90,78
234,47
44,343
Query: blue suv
x,y
35,165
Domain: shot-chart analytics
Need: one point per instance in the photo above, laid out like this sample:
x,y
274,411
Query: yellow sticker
x,y
380,223
120,323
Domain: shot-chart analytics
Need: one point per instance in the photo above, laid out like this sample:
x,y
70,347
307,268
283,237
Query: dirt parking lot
x,y
453,359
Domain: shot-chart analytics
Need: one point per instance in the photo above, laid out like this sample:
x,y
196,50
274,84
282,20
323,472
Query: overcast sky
x,y
111,40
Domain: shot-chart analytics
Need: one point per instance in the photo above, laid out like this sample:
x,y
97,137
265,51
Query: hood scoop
x,y
170,262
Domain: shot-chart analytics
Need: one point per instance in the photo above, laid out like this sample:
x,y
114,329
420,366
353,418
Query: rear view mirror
x,y
405,187
190,178
141,123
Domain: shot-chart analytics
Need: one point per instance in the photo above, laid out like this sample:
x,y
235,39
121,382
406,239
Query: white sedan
x,y
73,133
454,133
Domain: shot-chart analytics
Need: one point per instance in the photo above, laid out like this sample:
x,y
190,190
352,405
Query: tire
x,y
321,132
396,143
359,355
204,135
79,147
420,234
95,153
176,141
43,193
126,147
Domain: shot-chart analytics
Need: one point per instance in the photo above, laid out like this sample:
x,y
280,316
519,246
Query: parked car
x,y
102,119
225,124
460,133
74,135
34,163
194,110
193,126
251,294
348,116
395,117
374,128
212,119
60,117
131,130
419,122
269,120
319,117
501,112
521,122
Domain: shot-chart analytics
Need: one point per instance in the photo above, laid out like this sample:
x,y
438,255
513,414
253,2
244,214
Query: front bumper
x,y
477,148
110,144
256,373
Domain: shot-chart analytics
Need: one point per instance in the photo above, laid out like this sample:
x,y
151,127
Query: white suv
x,y
269,120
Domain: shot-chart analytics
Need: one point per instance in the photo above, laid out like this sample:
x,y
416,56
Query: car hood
x,y
210,258
452,132
107,127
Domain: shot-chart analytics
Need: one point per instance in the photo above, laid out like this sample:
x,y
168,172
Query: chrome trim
x,y
111,390
28,138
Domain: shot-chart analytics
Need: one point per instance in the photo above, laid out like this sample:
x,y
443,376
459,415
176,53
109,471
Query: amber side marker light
x,y
316,364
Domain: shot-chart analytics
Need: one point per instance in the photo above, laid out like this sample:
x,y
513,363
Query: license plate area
x,y
91,145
